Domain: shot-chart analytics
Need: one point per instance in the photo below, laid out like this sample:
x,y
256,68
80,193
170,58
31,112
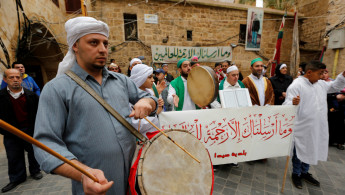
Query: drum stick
x,y
139,125
172,140
35,142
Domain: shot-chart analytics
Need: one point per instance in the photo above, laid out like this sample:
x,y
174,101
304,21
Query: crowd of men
x,y
71,122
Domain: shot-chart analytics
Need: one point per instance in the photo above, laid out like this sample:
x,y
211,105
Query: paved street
x,y
259,178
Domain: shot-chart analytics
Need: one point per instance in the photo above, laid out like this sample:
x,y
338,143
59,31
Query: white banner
x,y
237,134
172,54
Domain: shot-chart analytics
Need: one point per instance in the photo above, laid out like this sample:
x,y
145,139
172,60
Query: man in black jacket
x,y
18,108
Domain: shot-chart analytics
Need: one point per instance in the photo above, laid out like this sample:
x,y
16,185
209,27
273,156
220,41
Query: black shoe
x,y
308,178
37,176
10,186
340,147
297,181
216,168
235,165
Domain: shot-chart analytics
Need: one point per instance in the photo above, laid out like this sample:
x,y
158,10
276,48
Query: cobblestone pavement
x,y
259,178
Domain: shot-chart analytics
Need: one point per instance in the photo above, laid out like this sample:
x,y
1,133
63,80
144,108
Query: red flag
x,y
276,55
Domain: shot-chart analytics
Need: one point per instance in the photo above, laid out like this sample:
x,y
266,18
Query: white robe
x,y
188,103
311,123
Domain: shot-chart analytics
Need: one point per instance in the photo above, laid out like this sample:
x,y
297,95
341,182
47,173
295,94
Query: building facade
x,y
199,23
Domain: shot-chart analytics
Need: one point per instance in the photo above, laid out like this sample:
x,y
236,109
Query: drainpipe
x,y
335,63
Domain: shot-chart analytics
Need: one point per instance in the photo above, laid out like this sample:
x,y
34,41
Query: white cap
x,y
231,68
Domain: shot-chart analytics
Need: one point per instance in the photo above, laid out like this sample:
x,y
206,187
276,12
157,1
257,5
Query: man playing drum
x,y
74,124
178,94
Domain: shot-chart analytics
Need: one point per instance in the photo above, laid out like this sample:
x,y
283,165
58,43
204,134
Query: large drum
x,y
202,85
163,168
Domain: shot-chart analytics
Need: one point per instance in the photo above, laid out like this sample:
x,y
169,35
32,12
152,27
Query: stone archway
x,y
44,54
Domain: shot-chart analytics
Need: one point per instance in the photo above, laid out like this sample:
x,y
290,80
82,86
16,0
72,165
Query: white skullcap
x,y
75,29
282,66
135,60
139,74
231,68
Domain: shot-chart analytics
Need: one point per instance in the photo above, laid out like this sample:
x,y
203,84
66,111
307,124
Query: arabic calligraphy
x,y
237,130
169,54
233,154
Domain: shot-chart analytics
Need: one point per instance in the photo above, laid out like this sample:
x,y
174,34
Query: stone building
x,y
321,19
40,45
199,23
212,23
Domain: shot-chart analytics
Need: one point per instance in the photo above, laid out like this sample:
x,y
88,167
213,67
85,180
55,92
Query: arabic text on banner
x,y
237,134
172,54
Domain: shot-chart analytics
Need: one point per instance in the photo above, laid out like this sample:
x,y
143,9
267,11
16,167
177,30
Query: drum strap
x,y
110,109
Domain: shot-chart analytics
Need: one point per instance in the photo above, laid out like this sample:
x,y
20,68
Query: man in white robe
x,y
311,126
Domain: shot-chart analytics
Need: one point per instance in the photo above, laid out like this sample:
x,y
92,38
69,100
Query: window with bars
x,y
130,24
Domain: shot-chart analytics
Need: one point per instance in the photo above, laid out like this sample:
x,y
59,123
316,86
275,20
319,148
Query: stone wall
x,y
312,25
211,26
43,12
335,16
320,16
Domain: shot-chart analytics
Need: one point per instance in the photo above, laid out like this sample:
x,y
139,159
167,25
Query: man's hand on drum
x,y
143,108
91,187
176,100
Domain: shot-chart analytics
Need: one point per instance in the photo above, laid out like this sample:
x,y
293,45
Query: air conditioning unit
x,y
337,39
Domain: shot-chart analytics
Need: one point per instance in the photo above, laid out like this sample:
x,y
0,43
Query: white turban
x,y
282,66
135,60
139,74
231,68
75,29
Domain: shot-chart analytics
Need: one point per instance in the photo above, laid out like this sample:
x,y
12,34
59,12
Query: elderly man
x,y
73,123
260,88
231,80
28,82
18,107
178,94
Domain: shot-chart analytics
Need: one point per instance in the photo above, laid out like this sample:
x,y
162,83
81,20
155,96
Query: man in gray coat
x,y
74,124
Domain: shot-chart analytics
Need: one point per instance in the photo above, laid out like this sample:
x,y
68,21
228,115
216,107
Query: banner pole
x,y
285,172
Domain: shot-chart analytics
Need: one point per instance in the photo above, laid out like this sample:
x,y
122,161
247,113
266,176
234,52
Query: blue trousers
x,y
298,167
254,37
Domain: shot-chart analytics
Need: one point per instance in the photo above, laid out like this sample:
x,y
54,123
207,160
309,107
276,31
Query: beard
x,y
184,74
257,74
98,66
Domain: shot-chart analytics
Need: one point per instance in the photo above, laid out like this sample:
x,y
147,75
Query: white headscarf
x,y
139,74
75,29
282,66
135,60
231,68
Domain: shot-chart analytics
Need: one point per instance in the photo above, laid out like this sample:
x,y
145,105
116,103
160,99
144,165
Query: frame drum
x,y
202,85
166,169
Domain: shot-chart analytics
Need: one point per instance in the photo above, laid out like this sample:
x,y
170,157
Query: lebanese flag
x,y
276,55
